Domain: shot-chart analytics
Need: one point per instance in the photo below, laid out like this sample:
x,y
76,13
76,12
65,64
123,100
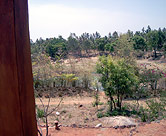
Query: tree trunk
x,y
155,53
17,103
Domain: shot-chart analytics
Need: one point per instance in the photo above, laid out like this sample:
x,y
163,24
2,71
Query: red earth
x,y
152,129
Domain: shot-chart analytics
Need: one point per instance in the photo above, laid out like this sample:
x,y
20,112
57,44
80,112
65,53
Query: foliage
x,y
118,79
55,50
150,77
122,45
101,44
40,113
110,47
125,111
68,79
139,43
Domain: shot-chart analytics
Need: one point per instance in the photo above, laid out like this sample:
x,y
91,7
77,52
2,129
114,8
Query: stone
x,y
119,121
98,125
57,113
73,125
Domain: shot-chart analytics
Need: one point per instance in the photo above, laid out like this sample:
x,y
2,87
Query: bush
x,y
156,109
118,79
100,115
40,113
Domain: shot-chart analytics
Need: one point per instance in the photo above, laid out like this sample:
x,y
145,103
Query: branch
x,y
54,108
41,100
48,105
40,131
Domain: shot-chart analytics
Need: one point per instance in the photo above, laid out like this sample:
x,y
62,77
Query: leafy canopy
x,y
118,78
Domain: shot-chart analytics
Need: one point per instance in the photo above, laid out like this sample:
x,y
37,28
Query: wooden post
x,y
17,103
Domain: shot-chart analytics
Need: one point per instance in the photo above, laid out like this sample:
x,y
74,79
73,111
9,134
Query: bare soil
x,y
79,110
78,117
152,129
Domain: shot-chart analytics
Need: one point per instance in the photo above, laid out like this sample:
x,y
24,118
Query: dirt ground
x,y
78,110
78,118
152,129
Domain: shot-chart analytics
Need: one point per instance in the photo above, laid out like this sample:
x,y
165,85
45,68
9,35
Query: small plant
x,y
40,113
143,114
97,102
100,115
156,109
102,109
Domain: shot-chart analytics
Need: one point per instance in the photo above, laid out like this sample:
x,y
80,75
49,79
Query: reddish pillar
x,y
17,103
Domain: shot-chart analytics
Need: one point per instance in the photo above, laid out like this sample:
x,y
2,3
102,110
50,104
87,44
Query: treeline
x,y
126,44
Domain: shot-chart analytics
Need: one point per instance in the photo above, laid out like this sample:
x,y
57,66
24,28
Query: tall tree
x,y
148,29
139,43
153,40
118,79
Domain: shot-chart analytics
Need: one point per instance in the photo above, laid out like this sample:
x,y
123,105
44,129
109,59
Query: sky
x,y
51,18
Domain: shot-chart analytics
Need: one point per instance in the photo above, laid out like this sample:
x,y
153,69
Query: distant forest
x,y
123,45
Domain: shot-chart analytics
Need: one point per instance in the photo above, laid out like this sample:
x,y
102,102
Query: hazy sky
x,y
51,18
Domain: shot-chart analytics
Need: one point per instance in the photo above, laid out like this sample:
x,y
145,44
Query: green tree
x,y
124,46
115,36
110,47
73,44
101,44
148,29
153,40
55,50
118,79
139,43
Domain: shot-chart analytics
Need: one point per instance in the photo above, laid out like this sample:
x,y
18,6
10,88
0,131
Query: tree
x,y
164,48
123,46
161,39
118,79
101,44
148,29
115,36
73,44
153,40
130,33
139,43
110,47
55,50
138,33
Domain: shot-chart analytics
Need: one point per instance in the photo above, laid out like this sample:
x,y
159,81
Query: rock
x,y
73,125
79,126
119,121
122,127
98,125
57,113
80,106
157,121
116,127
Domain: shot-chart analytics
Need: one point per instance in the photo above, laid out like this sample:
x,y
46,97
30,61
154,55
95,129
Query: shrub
x,y
40,113
118,79
100,115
